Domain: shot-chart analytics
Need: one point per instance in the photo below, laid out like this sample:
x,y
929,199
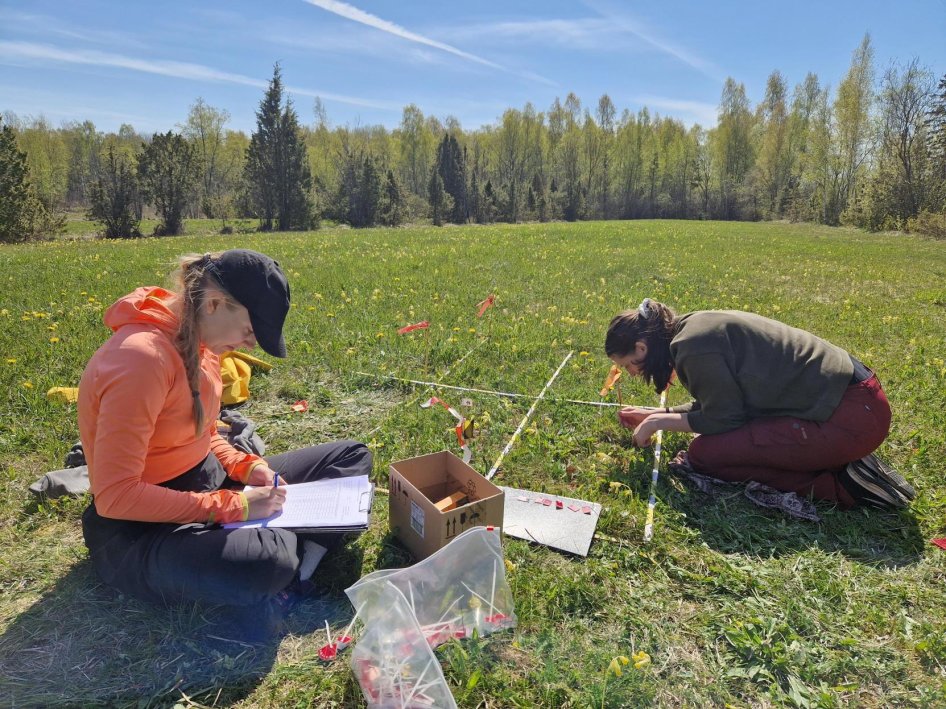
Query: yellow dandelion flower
x,y
54,340
472,329
379,335
510,567
583,353
27,385
11,360
4,313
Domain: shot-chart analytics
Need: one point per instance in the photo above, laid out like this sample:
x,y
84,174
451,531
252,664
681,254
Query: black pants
x,y
173,562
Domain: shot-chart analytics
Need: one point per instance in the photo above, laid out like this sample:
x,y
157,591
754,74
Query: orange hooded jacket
x,y
136,420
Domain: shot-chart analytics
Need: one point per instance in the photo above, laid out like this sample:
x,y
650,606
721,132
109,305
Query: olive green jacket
x,y
739,366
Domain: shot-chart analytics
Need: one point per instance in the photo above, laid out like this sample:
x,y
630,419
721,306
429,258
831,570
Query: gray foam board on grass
x,y
557,528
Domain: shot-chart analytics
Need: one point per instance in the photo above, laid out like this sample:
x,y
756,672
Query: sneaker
x,y
872,482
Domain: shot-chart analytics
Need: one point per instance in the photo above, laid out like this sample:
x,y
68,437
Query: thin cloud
x,y
705,113
46,25
581,33
598,34
621,21
350,12
14,52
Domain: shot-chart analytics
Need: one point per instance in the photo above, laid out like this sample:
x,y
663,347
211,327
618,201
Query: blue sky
x,y
146,63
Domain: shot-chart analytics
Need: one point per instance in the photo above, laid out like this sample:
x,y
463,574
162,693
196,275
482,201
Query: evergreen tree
x,y
936,137
367,204
277,169
114,199
451,166
393,201
168,173
490,203
475,200
18,203
437,197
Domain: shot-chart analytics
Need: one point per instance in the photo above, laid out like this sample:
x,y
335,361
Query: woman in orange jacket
x,y
162,478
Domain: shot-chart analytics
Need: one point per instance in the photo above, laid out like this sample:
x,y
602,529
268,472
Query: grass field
x,y
732,605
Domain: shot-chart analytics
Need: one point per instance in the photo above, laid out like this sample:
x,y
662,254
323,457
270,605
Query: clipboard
x,y
329,505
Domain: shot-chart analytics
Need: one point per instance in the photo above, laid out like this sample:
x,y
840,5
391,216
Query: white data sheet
x,y
339,503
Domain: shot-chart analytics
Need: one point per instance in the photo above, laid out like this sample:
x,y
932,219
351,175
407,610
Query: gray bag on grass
x,y
69,481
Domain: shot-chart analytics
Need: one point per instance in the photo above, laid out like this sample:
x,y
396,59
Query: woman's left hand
x,y
261,476
645,431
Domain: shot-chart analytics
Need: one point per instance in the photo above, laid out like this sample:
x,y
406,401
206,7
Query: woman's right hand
x,y
264,501
632,416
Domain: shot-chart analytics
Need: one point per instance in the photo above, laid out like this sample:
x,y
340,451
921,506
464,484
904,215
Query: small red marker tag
x,y
559,505
574,508
941,543
547,502
586,510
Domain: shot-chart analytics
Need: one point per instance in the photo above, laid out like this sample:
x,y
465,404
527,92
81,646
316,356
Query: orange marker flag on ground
x,y
484,304
611,380
422,325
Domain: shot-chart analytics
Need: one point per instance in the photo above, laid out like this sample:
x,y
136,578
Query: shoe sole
x,y
877,488
892,477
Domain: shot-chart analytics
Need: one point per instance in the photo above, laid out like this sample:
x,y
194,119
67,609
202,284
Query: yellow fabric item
x,y
235,372
63,395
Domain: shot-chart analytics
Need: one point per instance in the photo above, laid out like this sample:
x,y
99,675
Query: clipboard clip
x,y
366,500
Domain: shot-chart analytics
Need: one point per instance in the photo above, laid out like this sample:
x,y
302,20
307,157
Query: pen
x,y
276,480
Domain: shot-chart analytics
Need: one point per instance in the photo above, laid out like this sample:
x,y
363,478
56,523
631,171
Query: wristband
x,y
253,466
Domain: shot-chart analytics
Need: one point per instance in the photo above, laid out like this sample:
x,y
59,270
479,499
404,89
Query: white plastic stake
x,y
652,502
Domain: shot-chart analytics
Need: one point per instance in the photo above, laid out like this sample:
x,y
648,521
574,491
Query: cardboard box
x,y
416,484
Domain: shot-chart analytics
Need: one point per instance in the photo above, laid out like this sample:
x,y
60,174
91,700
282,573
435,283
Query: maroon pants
x,y
796,455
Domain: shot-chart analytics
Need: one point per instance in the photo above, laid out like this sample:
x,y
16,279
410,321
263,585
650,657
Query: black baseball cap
x,y
258,284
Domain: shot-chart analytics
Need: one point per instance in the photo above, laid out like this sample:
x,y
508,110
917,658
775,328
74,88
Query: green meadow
x,y
729,604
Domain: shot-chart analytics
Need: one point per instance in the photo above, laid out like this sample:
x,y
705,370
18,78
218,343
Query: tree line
x,y
871,153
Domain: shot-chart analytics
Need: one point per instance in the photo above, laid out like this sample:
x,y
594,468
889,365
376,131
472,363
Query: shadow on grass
x,y
729,523
82,643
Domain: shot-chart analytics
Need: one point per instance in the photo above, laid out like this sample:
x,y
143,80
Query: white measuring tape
x,y
492,392
652,502
492,471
